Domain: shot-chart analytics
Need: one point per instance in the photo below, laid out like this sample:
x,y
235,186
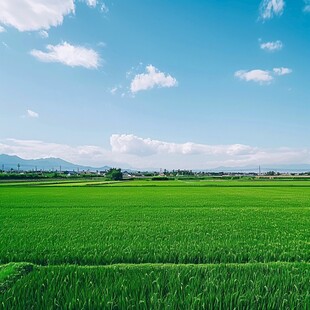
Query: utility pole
x,y
18,166
259,171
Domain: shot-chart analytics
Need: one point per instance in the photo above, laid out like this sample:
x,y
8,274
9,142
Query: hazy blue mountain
x,y
12,162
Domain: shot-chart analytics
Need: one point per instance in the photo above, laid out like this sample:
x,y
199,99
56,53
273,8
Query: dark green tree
x,y
114,174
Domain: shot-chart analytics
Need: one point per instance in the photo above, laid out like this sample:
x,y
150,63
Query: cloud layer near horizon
x,y
143,153
131,144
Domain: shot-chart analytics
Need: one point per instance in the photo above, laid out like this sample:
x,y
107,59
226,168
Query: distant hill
x,y
9,162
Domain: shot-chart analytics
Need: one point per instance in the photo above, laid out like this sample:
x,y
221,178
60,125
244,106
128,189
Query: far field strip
x,y
169,183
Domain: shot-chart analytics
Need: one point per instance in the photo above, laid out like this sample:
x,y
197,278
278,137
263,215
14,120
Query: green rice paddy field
x,y
155,245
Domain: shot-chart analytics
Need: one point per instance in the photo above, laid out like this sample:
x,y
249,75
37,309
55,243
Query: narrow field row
x,y
162,286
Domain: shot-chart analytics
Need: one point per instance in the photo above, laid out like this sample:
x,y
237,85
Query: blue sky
x,y
186,84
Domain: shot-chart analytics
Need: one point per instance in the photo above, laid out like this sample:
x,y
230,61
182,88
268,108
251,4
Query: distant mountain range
x,y
9,162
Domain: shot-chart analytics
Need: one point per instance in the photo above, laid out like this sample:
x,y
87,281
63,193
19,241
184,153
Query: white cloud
x,y
140,152
152,78
104,9
270,8
115,89
282,71
2,29
131,144
91,3
5,45
43,34
32,15
272,46
32,114
28,15
69,55
259,76
33,149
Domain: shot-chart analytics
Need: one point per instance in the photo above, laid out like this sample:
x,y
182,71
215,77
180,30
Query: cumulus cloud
x,y
2,29
258,76
131,144
152,78
282,71
32,114
69,55
146,152
32,15
272,46
261,76
271,8
28,15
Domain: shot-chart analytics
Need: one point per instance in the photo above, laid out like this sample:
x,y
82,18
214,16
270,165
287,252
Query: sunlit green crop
x,y
259,228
